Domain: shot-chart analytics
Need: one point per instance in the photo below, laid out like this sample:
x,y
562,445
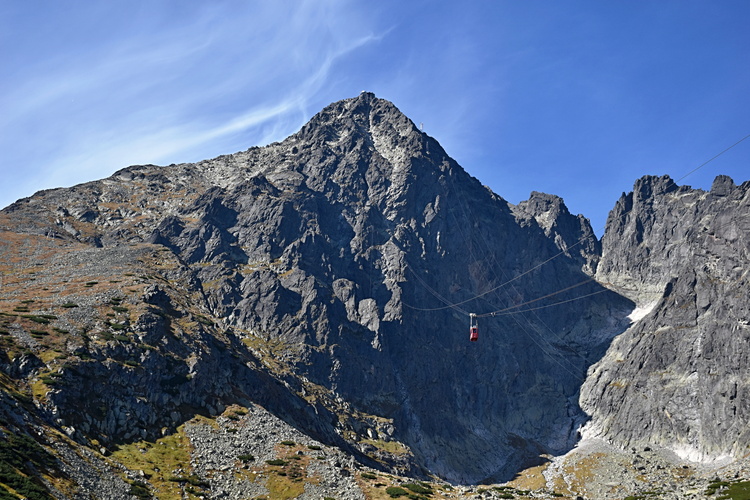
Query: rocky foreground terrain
x,y
292,322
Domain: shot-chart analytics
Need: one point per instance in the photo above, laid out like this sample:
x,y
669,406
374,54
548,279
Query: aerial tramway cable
x,y
535,336
529,328
518,308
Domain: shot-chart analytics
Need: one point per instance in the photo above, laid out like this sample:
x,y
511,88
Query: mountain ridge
x,y
329,277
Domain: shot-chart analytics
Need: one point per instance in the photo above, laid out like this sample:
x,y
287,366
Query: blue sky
x,y
574,98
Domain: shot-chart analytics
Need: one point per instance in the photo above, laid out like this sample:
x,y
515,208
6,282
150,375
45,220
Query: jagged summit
x,y
362,148
369,127
573,235
365,114
650,222
723,185
377,121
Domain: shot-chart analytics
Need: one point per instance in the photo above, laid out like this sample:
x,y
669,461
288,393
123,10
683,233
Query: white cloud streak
x,y
173,96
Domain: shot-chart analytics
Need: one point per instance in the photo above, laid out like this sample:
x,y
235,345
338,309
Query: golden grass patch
x,y
160,462
530,479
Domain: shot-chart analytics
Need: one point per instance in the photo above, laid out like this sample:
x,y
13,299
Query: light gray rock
x,y
678,377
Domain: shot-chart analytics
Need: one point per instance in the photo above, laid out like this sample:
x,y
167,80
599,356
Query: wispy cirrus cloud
x,y
227,76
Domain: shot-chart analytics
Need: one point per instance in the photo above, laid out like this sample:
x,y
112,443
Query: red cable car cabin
x,y
473,333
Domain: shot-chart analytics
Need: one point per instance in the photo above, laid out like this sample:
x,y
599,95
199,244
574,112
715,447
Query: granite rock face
x,y
350,239
678,377
330,277
572,234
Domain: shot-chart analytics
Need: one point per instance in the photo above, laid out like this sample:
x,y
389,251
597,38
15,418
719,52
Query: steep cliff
x,y
328,277
572,234
678,378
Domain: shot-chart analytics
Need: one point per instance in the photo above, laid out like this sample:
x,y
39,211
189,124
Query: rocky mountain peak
x,y
649,223
330,279
361,151
572,234
365,115
546,208
369,137
723,185
650,186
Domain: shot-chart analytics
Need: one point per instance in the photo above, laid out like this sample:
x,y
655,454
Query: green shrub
x,y
69,305
288,443
314,447
276,461
17,449
246,457
23,485
140,490
22,398
91,283
716,484
369,475
417,488
196,481
39,332
119,309
738,491
395,492
36,319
